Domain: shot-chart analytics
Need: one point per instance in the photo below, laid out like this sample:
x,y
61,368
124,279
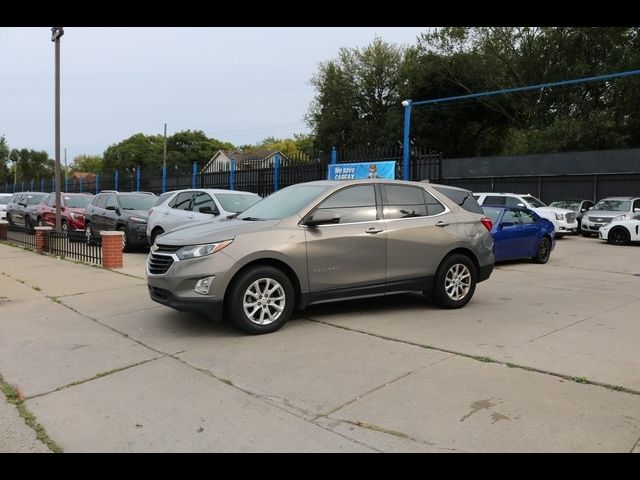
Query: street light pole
x,y
56,33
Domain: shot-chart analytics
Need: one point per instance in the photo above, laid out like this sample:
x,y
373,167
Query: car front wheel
x,y
544,251
260,300
455,282
619,236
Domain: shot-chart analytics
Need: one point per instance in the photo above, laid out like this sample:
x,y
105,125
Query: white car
x,y
621,232
195,205
4,199
563,220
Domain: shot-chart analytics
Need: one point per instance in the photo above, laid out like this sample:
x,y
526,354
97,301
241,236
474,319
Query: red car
x,y
72,210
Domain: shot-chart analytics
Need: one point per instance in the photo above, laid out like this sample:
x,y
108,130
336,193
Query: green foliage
x,y
358,94
4,159
298,146
32,164
87,163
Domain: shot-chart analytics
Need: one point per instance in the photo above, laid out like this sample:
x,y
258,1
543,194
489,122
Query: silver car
x,y
607,210
322,241
181,207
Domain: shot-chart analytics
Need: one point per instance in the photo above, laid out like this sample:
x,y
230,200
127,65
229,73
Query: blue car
x,y
520,233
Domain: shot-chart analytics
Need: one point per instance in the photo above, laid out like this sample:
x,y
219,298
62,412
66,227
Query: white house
x,y
220,162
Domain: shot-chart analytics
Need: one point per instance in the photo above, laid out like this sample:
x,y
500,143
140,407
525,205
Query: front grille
x,y
571,217
600,219
159,293
159,264
167,248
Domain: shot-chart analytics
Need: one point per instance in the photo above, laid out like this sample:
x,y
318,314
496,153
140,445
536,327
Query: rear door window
x,y
182,201
353,204
494,200
462,198
404,202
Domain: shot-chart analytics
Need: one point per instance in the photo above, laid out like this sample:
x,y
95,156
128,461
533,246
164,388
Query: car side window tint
x,y
434,207
183,201
511,216
493,200
636,204
111,201
404,202
203,200
512,201
526,217
353,204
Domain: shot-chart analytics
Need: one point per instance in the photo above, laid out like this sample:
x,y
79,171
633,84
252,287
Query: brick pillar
x,y
112,249
3,229
42,238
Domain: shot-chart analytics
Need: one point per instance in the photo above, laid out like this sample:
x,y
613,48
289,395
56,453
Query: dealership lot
x,y
544,358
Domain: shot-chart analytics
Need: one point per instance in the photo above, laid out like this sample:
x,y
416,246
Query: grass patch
x,y
14,396
617,388
37,289
580,379
483,359
511,365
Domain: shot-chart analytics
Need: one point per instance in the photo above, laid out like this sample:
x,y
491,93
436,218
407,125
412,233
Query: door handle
x,y
372,230
189,216
442,224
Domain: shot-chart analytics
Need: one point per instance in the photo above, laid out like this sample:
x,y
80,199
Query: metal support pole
x,y
334,155
57,32
276,173
115,181
97,182
406,146
194,172
232,175
164,178
42,184
80,180
137,179
32,184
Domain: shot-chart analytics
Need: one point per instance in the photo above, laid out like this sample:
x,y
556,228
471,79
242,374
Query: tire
x,y
455,282
585,234
245,314
544,251
40,222
27,222
64,227
619,236
88,231
126,243
154,234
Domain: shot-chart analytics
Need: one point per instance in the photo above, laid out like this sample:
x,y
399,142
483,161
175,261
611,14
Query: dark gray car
x,y
21,208
322,241
127,212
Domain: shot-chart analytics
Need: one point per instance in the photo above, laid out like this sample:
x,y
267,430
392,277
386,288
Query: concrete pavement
x,y
105,369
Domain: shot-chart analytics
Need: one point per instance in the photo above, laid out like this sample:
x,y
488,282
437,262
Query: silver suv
x,y
321,241
606,210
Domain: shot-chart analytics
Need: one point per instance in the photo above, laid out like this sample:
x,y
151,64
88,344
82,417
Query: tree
x,y
4,159
357,101
186,147
139,150
32,164
87,163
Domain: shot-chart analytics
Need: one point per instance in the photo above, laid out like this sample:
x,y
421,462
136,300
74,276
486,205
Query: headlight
x,y
559,216
138,220
76,216
194,251
620,217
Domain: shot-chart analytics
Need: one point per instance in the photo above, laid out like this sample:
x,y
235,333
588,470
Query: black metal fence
x,y
65,244
74,245
556,187
24,236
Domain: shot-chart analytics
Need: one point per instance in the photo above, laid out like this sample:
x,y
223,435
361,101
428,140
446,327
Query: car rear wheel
x,y
126,244
260,300
619,236
455,282
40,222
544,251
88,232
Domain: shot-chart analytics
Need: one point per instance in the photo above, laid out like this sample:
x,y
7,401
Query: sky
x,y
237,84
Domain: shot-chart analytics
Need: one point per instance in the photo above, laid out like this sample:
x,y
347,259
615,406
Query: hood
x,y
603,213
210,232
554,210
136,213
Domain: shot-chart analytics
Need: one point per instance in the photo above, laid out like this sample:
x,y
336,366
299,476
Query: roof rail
x,y
109,191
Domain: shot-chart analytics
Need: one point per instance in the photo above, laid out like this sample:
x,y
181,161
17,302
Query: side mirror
x,y
636,210
522,205
110,207
322,217
207,209
506,224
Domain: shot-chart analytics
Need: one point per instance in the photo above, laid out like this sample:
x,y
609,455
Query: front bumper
x,y
563,227
206,306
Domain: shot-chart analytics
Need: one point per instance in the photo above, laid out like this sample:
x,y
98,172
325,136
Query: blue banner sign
x,y
356,171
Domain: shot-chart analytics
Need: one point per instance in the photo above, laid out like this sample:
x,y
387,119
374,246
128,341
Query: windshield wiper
x,y
251,219
233,215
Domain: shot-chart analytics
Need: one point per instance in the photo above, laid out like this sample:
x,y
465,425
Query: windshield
x,y
35,199
613,205
533,201
137,202
237,202
78,202
4,200
568,204
492,213
283,203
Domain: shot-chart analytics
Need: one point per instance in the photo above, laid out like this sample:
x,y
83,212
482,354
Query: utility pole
x,y
164,154
56,33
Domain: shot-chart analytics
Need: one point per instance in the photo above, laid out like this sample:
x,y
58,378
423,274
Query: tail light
x,y
487,223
